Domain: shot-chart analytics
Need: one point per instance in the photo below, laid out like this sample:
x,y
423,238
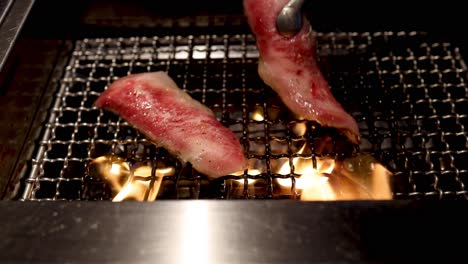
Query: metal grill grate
x,y
408,94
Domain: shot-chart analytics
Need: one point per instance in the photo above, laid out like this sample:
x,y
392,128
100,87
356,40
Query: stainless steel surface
x,y
290,18
4,8
233,232
12,18
28,84
407,93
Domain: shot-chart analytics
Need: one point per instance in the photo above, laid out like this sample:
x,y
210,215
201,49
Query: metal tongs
x,y
290,19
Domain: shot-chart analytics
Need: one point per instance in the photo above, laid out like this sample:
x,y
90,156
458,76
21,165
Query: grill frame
x,y
343,47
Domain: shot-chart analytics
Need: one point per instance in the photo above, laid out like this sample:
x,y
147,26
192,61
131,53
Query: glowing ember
x,y
258,115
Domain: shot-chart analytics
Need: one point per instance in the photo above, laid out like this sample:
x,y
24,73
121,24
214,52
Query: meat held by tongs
x,y
288,63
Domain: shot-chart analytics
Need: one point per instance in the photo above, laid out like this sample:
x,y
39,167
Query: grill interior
x,y
407,92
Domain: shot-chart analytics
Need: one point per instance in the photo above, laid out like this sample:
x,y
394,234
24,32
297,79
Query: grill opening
x,y
407,93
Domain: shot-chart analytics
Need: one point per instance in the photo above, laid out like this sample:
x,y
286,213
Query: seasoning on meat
x,y
288,65
168,116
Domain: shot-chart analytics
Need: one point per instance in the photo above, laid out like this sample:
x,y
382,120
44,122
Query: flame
x,y
356,178
313,182
250,172
124,193
137,184
113,170
250,182
165,171
236,186
380,184
299,129
139,187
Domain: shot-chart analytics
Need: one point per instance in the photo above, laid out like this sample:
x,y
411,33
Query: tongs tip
x,y
289,21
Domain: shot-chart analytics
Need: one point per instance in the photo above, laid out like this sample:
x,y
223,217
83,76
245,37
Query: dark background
x,y
68,17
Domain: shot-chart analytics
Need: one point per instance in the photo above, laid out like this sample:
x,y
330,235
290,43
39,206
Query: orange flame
x,y
236,186
347,180
136,184
114,170
312,183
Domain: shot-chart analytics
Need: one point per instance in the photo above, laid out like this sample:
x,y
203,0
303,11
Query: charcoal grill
x,y
406,89
407,93
403,80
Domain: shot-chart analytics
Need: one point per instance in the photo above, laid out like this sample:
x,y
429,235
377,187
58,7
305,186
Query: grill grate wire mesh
x,y
408,94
